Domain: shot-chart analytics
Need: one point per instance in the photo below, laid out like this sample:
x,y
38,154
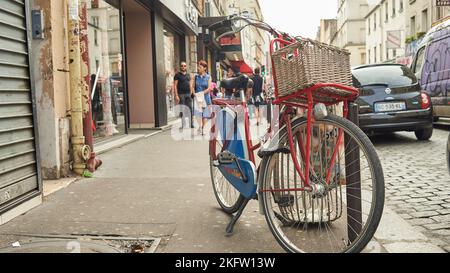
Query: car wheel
x,y
424,134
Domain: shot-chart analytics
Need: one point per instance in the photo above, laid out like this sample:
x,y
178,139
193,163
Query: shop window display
x,y
105,54
172,61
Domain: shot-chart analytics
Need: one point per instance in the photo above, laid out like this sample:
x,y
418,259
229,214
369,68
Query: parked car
x,y
431,65
392,100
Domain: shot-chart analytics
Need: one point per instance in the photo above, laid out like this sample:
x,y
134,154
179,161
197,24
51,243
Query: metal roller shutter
x,y
18,154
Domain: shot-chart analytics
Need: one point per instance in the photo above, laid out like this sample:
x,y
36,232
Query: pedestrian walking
x,y
201,87
182,94
258,91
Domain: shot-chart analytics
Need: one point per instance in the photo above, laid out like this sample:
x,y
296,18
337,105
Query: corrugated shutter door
x,y
18,166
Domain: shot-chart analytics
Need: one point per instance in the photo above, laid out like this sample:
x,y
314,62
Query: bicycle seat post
x,y
244,99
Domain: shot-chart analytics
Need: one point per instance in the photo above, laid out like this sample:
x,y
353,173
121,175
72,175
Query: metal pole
x,y
92,163
353,172
75,87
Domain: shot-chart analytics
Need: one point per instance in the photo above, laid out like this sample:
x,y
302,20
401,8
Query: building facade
x,y
420,16
385,31
394,27
253,43
327,30
351,29
244,52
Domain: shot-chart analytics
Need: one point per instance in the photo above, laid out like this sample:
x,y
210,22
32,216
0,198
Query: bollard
x,y
353,172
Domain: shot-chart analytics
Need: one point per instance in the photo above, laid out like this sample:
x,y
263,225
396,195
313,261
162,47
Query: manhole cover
x,y
81,244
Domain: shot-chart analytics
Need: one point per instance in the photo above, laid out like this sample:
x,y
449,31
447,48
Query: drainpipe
x,y
92,162
77,139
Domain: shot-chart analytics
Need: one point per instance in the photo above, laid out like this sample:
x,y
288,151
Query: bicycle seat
x,y
235,83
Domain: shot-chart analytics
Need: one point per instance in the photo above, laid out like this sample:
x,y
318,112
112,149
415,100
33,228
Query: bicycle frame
x,y
251,149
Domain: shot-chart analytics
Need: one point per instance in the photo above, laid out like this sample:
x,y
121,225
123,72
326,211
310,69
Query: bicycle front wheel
x,y
342,208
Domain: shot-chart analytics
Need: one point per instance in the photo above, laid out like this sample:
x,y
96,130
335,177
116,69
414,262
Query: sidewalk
x,y
154,190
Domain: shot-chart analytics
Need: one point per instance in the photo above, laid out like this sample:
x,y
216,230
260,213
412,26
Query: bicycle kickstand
x,y
236,217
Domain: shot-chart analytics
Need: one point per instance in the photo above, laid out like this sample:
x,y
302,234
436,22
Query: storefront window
x,y
172,62
105,54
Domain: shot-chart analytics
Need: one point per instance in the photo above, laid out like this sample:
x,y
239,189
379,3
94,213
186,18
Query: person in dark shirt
x,y
182,93
228,93
257,93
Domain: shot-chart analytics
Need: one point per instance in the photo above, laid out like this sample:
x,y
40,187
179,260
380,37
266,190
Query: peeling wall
x,y
49,66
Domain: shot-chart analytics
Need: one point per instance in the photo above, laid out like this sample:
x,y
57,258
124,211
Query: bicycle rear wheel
x,y
228,197
344,210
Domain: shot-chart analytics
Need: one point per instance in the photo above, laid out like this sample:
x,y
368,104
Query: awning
x,y
242,66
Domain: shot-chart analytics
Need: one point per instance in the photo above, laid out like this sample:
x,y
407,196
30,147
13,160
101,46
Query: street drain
x,y
32,243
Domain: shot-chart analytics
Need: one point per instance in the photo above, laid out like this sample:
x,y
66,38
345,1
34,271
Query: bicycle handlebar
x,y
249,22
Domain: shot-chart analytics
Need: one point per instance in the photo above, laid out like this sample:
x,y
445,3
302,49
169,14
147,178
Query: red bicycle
x,y
319,183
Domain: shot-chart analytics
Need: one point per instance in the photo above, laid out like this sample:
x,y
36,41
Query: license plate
x,y
390,106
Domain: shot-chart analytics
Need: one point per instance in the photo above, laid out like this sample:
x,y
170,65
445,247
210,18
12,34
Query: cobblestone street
x,y
417,181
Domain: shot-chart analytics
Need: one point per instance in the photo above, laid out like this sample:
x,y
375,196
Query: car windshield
x,y
390,75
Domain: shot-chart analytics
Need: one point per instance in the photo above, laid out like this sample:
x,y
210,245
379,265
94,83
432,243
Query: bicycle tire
x,y
276,220
217,178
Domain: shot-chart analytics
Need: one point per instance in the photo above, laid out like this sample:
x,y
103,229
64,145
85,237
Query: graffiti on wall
x,y
436,69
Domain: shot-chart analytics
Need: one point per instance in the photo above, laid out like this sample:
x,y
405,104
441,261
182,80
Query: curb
x,y
128,139
396,235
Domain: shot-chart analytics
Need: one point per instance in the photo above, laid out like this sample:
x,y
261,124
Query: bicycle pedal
x,y
226,158
270,151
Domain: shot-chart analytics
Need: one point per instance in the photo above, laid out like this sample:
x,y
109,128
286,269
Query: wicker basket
x,y
308,62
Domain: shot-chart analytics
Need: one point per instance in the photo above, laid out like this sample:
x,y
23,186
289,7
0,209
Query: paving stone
x,y
421,229
438,242
413,247
405,216
445,211
429,208
443,232
424,214
399,198
421,221
442,219
447,193
416,200
424,195
439,198
436,202
394,202
438,226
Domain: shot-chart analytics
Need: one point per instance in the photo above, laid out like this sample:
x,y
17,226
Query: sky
x,y
298,17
